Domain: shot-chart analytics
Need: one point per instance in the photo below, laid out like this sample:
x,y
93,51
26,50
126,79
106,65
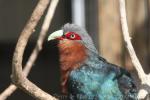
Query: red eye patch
x,y
72,36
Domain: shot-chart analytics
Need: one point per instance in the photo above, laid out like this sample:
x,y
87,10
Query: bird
x,y
85,75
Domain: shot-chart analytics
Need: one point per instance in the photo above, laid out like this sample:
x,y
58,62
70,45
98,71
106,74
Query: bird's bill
x,y
55,35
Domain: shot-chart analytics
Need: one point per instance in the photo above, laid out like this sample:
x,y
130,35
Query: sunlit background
x,y
101,19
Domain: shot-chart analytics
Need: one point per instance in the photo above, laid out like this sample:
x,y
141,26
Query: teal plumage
x,y
100,81
85,74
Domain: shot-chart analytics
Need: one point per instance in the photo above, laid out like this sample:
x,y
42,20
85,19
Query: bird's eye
x,y
72,36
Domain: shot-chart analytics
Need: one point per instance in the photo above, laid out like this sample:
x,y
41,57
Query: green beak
x,y
55,35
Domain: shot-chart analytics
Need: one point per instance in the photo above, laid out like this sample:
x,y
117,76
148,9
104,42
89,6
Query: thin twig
x,y
47,21
145,79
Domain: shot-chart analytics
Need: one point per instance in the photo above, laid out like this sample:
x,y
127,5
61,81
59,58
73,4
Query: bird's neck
x,y
72,56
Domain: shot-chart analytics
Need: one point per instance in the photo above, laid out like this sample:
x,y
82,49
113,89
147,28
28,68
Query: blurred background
x,y
101,19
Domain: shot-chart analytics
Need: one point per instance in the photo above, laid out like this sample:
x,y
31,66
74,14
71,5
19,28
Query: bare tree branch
x,y
44,29
47,21
7,92
18,77
145,79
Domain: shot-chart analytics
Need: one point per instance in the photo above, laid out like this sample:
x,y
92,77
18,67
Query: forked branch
x,y
18,77
47,21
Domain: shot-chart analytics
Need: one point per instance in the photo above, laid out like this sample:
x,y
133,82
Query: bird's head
x,y
73,33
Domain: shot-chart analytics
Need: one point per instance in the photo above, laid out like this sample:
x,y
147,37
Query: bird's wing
x,y
125,81
90,81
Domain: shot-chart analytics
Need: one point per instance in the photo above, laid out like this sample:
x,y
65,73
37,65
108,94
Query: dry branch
x,y
44,29
145,79
47,21
7,92
18,77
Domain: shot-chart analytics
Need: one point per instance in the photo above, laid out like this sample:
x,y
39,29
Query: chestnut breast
x,y
72,55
